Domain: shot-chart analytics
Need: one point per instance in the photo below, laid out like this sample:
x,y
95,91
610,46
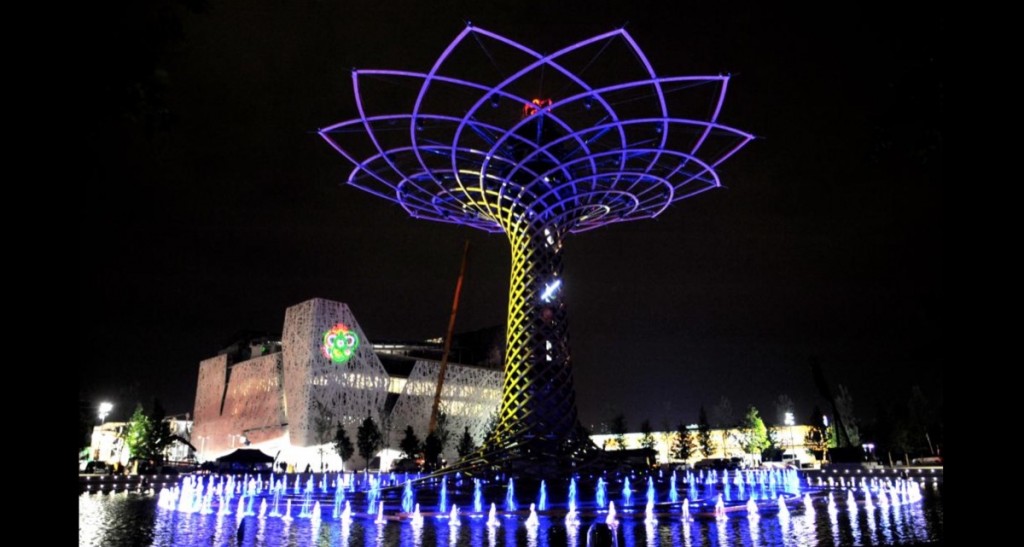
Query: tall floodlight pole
x,y
104,410
502,138
790,421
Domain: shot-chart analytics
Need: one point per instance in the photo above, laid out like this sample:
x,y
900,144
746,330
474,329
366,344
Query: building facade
x,y
107,443
288,397
725,443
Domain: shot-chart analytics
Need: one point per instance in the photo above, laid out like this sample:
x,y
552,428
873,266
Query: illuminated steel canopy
x,y
502,138
455,148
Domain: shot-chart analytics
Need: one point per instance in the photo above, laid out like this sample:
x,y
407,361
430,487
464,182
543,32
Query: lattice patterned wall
x,y
469,397
349,391
210,388
209,393
253,402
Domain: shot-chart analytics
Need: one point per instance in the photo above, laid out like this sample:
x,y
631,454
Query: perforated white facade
x,y
469,397
349,392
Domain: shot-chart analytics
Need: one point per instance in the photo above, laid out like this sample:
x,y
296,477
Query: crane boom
x,y
448,342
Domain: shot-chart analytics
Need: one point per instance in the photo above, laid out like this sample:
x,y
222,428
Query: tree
x,y
682,445
919,418
723,418
837,426
160,433
139,435
466,444
432,449
441,430
667,432
85,423
368,439
844,404
646,437
722,414
755,434
410,444
774,450
816,438
385,431
619,428
704,433
132,71
774,441
343,445
436,441
323,427
492,427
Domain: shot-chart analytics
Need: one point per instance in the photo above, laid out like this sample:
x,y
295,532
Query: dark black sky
x,y
825,242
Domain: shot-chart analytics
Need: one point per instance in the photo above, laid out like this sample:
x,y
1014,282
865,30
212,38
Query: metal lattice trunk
x,y
537,396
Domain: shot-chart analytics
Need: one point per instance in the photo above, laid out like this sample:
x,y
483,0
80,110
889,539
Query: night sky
x,y
214,204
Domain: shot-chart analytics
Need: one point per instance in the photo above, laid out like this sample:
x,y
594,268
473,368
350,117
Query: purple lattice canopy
x,y
607,140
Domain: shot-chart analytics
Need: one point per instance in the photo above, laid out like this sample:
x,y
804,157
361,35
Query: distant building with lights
x,y
107,443
725,443
287,396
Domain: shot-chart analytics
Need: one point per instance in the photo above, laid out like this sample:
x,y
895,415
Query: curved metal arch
x,y
413,118
665,120
685,157
542,60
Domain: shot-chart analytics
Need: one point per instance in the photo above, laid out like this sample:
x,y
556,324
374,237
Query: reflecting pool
x,y
739,508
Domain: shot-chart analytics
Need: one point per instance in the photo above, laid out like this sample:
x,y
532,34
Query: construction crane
x,y
448,342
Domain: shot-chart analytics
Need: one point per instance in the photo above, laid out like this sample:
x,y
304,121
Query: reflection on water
x,y
871,518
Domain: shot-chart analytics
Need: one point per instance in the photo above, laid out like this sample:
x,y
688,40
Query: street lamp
x,y
824,420
790,421
105,409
